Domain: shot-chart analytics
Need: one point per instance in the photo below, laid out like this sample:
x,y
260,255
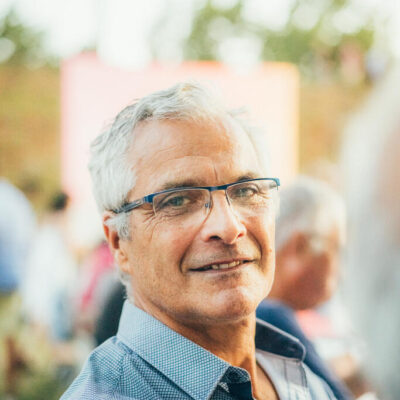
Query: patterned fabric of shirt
x,y
147,360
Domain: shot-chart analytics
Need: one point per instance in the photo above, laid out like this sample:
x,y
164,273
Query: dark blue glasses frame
x,y
149,198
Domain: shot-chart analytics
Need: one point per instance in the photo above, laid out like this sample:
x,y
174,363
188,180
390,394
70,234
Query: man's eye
x,y
247,191
175,201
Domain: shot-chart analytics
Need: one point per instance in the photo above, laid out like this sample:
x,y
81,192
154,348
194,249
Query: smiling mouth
x,y
221,266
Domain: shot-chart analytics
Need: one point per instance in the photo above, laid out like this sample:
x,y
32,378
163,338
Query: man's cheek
x,y
175,240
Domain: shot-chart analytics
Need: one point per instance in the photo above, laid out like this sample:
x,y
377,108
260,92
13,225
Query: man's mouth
x,y
221,266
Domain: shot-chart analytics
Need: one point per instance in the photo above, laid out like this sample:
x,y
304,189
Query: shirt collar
x,y
157,344
273,340
172,354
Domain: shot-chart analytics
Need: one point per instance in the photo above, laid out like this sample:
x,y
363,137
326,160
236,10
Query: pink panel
x,y
92,93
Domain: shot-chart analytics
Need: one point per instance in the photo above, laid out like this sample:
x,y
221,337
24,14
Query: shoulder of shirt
x,y
102,372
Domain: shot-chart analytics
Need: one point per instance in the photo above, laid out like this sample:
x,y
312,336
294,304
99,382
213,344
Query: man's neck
x,y
234,342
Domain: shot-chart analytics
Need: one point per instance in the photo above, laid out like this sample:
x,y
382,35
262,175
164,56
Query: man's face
x,y
163,257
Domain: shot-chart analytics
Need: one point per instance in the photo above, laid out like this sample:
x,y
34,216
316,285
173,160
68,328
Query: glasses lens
x,y
252,194
182,202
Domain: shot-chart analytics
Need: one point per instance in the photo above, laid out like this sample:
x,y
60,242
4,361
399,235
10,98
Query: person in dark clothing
x,y
309,234
108,320
283,317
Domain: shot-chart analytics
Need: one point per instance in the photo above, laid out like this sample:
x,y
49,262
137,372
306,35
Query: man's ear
x,y
115,243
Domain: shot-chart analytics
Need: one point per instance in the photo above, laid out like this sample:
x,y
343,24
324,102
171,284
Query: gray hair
x,y
113,175
309,206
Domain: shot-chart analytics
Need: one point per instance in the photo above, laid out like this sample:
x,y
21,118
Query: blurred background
x,y
339,48
55,57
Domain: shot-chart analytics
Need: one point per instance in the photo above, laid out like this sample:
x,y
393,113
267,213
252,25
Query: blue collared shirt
x,y
149,361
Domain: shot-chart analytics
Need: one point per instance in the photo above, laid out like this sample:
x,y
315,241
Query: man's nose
x,y
222,223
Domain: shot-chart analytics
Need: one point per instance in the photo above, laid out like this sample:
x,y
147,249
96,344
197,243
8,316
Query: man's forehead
x,y
167,139
198,153
159,133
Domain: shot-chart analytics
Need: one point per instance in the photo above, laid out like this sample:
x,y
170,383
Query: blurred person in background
x,y
196,259
107,322
51,274
371,162
97,277
310,231
17,225
309,235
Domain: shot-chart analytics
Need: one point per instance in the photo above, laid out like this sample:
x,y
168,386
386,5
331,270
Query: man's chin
x,y
231,305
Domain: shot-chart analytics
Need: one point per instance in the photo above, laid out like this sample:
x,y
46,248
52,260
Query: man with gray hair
x,y
309,233
188,212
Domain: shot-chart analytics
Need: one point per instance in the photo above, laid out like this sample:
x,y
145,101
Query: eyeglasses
x,y
246,196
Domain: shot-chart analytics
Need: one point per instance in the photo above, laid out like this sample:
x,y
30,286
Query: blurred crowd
x,y
336,285
51,293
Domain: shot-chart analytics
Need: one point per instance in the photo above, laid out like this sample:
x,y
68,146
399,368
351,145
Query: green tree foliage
x,y
316,36
20,44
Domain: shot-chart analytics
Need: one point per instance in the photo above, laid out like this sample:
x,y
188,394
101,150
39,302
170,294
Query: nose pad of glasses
x,y
208,205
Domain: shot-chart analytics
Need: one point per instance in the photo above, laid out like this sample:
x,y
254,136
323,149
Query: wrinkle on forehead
x,y
179,171
227,135
166,150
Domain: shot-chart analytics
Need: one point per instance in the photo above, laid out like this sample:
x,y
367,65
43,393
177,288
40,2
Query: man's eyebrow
x,y
248,175
197,183
179,184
